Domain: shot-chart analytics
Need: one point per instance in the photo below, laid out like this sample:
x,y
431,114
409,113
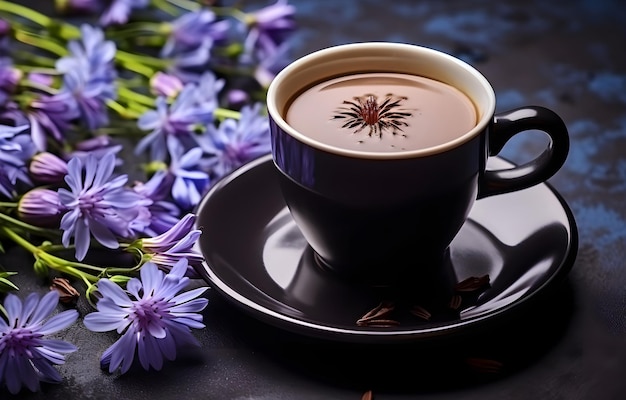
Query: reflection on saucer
x,y
283,248
257,258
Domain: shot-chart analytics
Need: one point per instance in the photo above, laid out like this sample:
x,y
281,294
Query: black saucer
x,y
256,257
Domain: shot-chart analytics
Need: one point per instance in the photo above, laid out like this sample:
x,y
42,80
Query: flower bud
x,y
41,268
41,207
237,98
48,168
120,279
165,85
41,79
67,293
9,77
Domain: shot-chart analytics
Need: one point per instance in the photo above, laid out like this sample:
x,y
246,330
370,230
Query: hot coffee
x,y
380,170
382,112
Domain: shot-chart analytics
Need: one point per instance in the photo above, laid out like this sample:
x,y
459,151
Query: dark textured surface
x,y
568,56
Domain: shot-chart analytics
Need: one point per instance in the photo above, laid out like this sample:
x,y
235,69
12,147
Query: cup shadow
x,y
496,349
499,350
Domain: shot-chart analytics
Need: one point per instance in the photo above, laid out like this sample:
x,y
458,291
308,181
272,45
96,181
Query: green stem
x,y
54,262
52,247
37,69
224,113
26,12
122,111
233,12
125,56
41,61
34,229
166,7
186,4
136,97
138,68
133,82
136,108
78,274
86,281
137,28
8,204
38,86
40,42
65,31
134,63
122,271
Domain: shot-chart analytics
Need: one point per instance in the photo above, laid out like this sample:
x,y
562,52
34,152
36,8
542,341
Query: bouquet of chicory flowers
x,y
116,116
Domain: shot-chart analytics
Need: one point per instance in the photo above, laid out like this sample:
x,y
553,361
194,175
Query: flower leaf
x,y
5,284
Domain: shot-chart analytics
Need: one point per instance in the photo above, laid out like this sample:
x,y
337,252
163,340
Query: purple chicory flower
x,y
167,249
189,181
153,316
164,214
41,207
270,64
90,96
207,90
16,149
191,30
266,44
89,75
188,65
119,11
9,78
275,19
7,133
99,204
26,356
51,116
269,28
92,53
234,143
179,121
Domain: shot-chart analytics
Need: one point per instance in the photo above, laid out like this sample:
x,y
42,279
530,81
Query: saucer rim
x,y
321,331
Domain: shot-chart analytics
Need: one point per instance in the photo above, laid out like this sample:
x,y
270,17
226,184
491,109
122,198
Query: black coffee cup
x,y
379,217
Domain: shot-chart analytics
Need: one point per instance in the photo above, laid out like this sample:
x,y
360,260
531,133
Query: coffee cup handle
x,y
510,123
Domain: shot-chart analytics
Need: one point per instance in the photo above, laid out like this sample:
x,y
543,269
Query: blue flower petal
x,y
188,298
59,346
149,352
167,346
104,322
13,307
60,321
122,352
45,307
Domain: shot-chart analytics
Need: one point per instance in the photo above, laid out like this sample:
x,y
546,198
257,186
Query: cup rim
x,y
486,111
